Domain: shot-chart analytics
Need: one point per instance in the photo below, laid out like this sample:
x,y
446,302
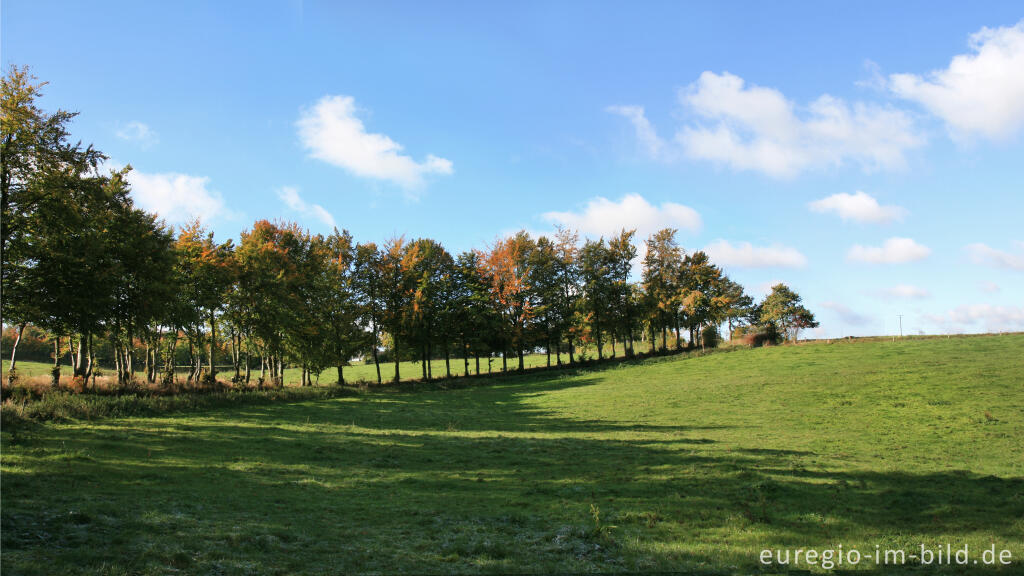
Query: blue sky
x,y
868,154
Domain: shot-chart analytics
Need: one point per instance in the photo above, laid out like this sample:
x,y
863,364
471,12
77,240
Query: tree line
x,y
81,262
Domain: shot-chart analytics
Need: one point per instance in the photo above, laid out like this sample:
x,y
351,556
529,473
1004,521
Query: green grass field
x,y
360,372
665,464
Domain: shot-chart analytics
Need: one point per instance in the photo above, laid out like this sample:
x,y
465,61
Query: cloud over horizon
x,y
753,128
980,93
859,207
290,196
984,254
603,217
746,255
331,131
892,251
176,197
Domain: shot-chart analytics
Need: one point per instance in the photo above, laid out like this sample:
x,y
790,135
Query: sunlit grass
x,y
691,464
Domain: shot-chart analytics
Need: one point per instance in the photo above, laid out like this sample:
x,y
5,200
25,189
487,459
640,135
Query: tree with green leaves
x,y
369,294
396,295
782,312
622,309
507,266
662,265
597,288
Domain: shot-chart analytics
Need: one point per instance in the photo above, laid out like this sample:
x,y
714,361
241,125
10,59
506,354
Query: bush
x,y
709,337
757,336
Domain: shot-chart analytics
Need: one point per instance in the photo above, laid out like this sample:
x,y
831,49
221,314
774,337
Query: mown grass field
x,y
688,464
360,372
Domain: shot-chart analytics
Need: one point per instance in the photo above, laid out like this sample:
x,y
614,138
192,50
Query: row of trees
x,y
80,261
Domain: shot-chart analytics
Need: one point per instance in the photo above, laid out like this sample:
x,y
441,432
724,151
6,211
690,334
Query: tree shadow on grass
x,y
409,483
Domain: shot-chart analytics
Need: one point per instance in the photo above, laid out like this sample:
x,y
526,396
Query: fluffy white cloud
x,y
904,292
746,255
645,133
980,93
604,217
331,132
984,254
755,128
137,132
846,314
986,317
860,207
989,287
177,197
892,251
291,198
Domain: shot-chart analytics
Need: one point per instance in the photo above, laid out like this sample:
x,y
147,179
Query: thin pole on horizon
x,y
901,325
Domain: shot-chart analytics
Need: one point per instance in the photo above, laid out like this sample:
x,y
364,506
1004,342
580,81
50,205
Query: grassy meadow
x,y
666,464
358,372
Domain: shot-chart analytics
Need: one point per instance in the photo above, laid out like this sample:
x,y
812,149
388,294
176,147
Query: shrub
x,y
709,337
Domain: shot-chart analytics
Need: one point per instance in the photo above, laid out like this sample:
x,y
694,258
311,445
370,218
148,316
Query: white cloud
x,y
291,198
137,132
604,217
904,292
989,287
746,255
845,314
984,254
981,316
645,133
860,207
759,129
893,251
765,288
177,197
331,132
980,93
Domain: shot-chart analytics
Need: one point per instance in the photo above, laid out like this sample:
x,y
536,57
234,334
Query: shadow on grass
x,y
457,481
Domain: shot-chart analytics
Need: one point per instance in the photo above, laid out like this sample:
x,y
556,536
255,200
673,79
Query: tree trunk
x,y
520,351
376,364
572,350
56,363
394,340
14,349
213,344
423,361
465,357
235,355
341,375
477,363
558,350
91,362
447,366
74,357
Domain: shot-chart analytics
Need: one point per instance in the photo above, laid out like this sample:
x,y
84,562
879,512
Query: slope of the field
x,y
670,464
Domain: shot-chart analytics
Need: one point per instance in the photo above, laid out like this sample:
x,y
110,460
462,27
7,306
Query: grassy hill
x,y
665,464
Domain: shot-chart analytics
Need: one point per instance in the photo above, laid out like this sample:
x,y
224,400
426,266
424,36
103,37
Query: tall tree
x,y
661,271
507,265
369,292
782,312
397,293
